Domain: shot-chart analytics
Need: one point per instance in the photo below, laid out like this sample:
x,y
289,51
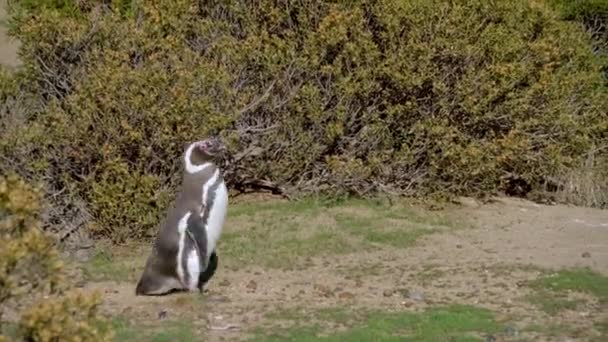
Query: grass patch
x,y
165,331
551,302
580,280
452,323
276,234
551,291
382,229
105,265
9,329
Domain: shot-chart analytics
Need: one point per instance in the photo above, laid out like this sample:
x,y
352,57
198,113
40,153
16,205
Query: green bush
x,y
593,15
32,281
337,97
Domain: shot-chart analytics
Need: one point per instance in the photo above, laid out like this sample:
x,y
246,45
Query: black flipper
x,y
196,231
209,272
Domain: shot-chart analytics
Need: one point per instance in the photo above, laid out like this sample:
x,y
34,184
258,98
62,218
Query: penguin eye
x,y
202,145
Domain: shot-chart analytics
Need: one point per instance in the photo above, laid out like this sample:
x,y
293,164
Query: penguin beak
x,y
218,144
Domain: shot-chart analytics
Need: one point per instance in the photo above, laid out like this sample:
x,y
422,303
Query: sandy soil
x,y
488,265
8,46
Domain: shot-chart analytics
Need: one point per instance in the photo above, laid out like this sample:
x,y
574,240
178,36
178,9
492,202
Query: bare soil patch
x,y
8,46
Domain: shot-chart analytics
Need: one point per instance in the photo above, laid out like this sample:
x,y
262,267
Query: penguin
x,y
184,256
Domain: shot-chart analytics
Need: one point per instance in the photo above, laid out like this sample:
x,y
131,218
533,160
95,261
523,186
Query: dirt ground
x,y
8,46
506,244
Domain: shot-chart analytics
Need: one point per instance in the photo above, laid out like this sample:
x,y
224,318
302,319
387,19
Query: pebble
x,y
346,295
586,255
510,331
252,285
162,314
416,295
323,290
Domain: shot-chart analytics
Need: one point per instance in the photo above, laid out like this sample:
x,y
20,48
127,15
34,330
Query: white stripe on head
x,y
191,168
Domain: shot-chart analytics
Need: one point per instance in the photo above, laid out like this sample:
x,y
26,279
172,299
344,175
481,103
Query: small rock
x,y
586,255
162,314
458,246
225,282
358,283
510,331
403,292
252,285
323,290
388,293
467,202
490,338
416,295
346,295
80,284
406,304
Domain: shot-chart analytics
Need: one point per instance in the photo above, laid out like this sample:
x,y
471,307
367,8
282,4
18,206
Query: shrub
x,y
593,15
463,97
31,277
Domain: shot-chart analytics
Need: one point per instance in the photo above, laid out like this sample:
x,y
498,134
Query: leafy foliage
x,y
31,271
337,97
593,14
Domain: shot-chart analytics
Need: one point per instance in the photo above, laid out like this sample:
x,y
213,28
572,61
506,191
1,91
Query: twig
x,y
257,102
225,327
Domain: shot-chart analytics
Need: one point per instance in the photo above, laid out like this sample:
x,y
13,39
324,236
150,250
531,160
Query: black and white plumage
x,y
184,254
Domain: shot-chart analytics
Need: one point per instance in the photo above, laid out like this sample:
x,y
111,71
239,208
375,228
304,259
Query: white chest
x,y
217,210
193,265
217,216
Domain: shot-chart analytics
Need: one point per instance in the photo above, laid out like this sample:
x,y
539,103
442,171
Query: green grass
x,y
551,290
8,329
276,234
552,303
602,328
581,280
451,323
165,331
105,265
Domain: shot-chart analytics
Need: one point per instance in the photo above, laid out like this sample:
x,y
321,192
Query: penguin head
x,y
211,147
203,151
153,283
